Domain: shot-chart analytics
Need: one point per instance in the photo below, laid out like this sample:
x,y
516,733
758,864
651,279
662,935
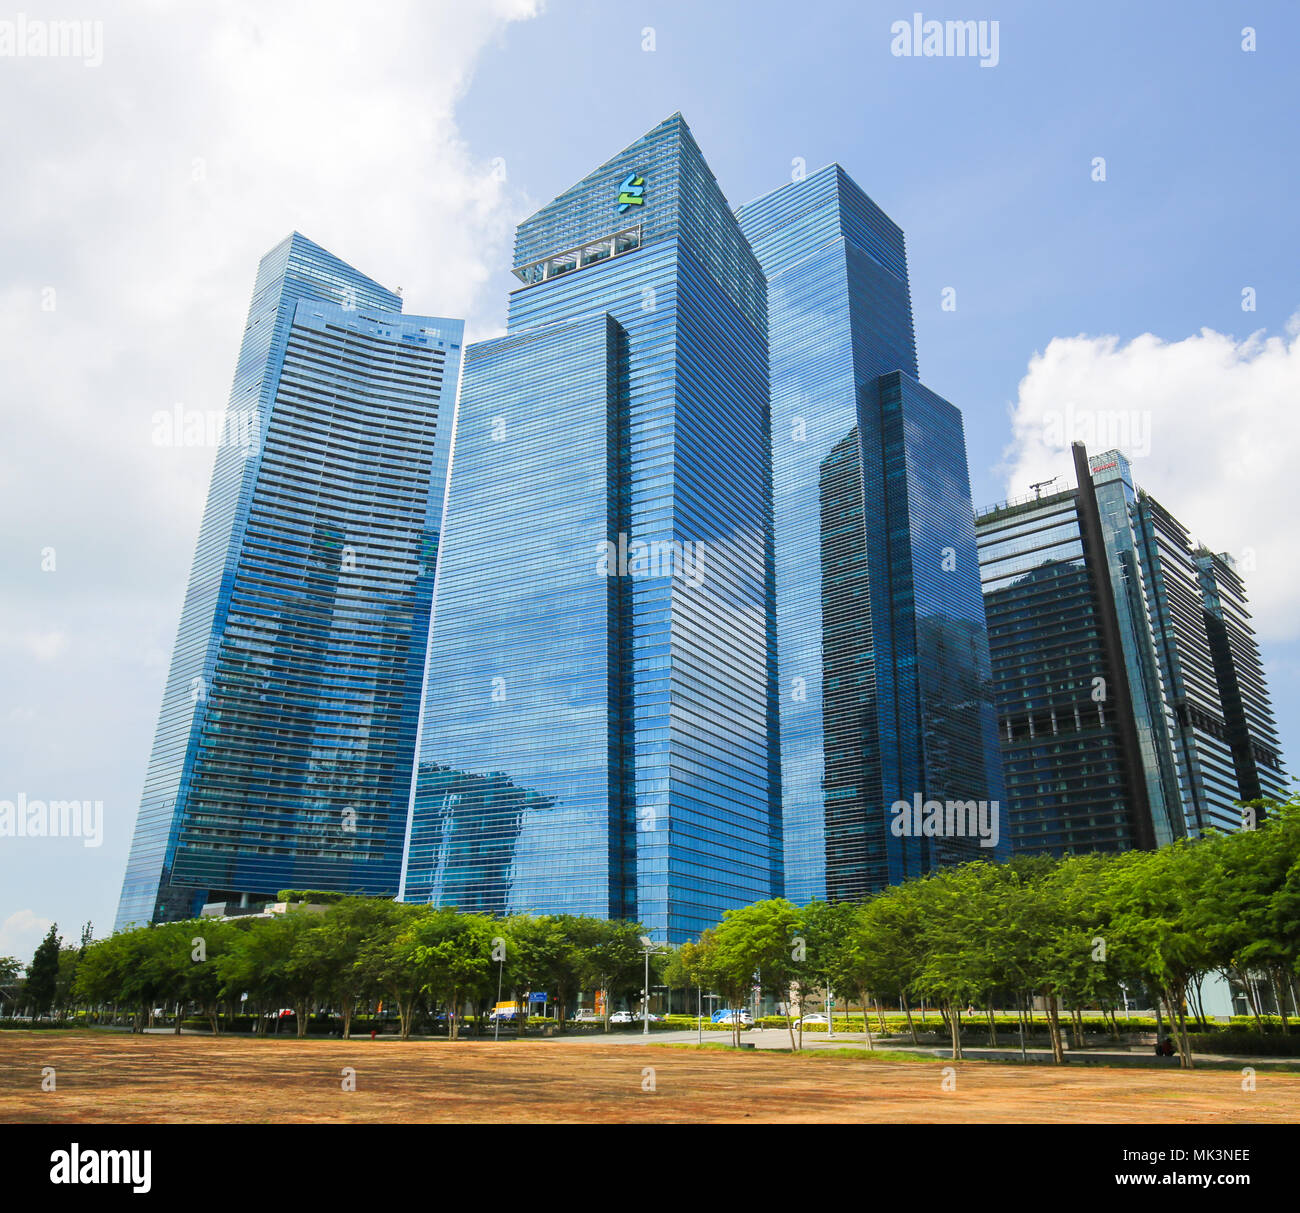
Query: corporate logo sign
x,y
631,192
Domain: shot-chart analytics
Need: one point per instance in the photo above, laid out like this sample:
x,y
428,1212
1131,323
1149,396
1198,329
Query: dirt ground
x,y
103,1077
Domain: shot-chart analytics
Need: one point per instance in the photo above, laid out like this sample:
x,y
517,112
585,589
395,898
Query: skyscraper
x,y
1239,672
285,744
1131,697
598,732
883,656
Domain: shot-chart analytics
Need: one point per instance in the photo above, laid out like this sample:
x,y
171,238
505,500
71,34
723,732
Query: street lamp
x,y
648,945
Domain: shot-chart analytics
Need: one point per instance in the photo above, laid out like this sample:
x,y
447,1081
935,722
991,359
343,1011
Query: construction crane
x,y
1041,485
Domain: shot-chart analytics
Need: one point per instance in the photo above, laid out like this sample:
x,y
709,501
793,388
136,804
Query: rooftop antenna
x,y
1041,485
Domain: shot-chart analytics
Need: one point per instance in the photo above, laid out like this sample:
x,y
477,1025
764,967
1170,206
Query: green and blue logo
x,y
631,192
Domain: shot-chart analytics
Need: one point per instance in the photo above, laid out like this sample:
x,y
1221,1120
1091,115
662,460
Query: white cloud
x,y
45,646
135,201
1212,426
21,932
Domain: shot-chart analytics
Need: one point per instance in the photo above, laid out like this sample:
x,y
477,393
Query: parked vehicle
x,y
586,1015
731,1015
809,1020
622,1017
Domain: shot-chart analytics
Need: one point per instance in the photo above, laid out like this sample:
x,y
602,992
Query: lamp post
x,y
496,1011
647,946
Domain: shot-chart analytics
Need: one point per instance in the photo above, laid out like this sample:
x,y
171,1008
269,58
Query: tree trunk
x,y
1054,1027
954,1023
1178,1026
907,1010
1198,1003
1279,992
993,1027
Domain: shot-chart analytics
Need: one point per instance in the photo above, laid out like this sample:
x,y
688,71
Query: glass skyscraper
x,y
1131,697
598,733
1239,671
284,750
884,670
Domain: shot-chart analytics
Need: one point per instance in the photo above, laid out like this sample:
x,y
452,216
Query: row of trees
x,y
1078,933
418,959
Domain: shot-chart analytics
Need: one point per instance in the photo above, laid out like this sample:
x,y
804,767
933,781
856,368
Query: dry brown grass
x,y
107,1077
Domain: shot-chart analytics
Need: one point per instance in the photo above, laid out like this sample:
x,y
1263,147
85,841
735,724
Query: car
x,y
622,1017
731,1015
809,1020
586,1015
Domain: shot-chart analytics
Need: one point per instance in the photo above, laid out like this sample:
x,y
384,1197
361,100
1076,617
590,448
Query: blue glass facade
x,y
599,726
883,652
286,738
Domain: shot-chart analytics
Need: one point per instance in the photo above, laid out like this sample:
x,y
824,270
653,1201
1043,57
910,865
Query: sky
x,y
1101,226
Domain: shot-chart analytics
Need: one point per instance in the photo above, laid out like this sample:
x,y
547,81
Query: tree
x,y
955,968
256,963
1154,924
543,958
208,940
43,973
609,957
10,968
723,969
674,972
64,996
758,944
350,927
388,962
825,960
452,957
883,952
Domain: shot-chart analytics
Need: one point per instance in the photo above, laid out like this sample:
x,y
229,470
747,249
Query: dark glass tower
x,y
598,730
883,652
1076,780
286,739
1131,697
